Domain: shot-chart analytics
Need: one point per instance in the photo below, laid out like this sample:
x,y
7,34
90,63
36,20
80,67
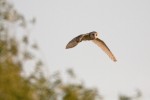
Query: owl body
x,y
87,37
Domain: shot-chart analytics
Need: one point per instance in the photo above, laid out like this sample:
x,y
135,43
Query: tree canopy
x,y
14,52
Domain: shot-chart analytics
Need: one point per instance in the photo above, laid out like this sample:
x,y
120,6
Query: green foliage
x,y
137,96
123,97
78,92
14,85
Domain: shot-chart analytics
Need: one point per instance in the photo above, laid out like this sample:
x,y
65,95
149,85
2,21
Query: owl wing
x,y
104,47
75,41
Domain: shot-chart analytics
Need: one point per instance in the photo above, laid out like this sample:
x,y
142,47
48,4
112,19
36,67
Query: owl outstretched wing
x,y
104,47
75,41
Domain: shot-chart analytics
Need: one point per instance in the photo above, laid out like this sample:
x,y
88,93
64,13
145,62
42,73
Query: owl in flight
x,y
93,37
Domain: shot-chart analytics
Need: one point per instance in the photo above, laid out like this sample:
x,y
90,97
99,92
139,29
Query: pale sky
x,y
124,25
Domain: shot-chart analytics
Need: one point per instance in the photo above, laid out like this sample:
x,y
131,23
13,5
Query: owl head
x,y
93,35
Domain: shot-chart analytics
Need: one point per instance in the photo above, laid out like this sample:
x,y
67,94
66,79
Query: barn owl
x,y
93,36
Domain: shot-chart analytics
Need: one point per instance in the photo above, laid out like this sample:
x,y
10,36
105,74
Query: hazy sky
x,y
124,25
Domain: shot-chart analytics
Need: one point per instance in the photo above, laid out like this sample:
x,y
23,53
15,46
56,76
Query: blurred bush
x,y
14,52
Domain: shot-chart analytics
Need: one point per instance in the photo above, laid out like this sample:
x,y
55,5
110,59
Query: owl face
x,y
93,35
